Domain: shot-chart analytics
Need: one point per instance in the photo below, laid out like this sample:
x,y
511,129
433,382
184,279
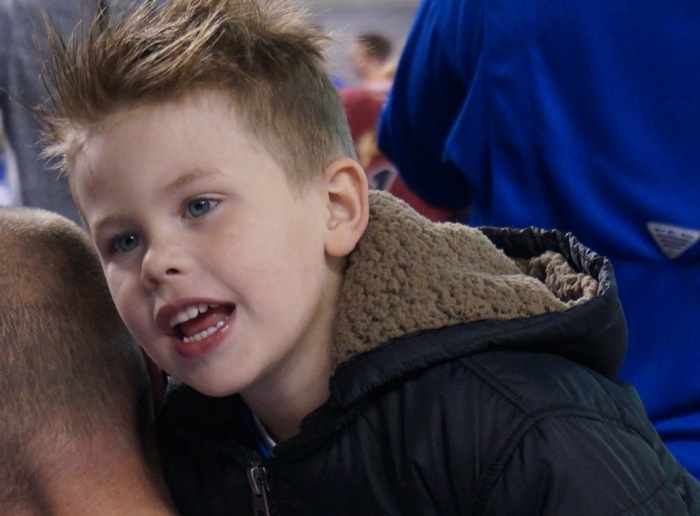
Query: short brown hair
x,y
69,368
264,55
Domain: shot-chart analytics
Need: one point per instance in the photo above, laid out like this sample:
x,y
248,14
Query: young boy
x,y
338,353
77,433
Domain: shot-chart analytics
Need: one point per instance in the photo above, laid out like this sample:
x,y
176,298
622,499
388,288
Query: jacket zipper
x,y
256,477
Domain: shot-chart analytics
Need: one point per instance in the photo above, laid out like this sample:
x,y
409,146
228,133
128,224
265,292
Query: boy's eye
x,y
199,207
125,243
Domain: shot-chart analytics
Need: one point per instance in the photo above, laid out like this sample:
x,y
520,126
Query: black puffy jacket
x,y
462,412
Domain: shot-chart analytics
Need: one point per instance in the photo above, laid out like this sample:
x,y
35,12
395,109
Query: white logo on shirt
x,y
673,240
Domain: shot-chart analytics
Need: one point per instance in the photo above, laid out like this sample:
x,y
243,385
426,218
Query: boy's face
x,y
215,264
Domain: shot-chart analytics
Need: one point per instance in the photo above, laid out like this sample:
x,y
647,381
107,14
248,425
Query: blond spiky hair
x,y
263,54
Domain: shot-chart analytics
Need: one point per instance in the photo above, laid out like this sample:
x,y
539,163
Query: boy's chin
x,y
215,389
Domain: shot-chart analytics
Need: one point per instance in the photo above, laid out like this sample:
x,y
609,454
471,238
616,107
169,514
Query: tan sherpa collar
x,y
408,274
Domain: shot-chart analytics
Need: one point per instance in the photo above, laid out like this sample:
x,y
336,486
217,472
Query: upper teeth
x,y
189,313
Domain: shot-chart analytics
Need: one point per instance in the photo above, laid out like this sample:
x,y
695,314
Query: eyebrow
x,y
188,178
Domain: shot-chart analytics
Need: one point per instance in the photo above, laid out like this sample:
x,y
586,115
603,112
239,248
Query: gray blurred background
x,y
348,18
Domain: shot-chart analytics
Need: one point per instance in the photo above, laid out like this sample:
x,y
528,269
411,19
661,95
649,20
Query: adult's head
x,y
73,381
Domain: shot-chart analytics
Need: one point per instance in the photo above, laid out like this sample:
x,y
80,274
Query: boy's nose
x,y
161,263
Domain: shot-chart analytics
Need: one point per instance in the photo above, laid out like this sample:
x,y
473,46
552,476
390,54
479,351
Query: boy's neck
x,y
282,408
300,385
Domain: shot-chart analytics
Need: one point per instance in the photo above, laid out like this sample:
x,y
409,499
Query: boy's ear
x,y
348,206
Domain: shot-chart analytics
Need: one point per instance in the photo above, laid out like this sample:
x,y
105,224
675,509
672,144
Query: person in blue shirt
x,y
585,117
4,186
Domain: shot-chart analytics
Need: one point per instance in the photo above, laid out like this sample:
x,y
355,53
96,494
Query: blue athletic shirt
x,y
580,116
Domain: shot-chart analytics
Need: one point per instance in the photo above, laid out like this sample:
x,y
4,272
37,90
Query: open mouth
x,y
199,321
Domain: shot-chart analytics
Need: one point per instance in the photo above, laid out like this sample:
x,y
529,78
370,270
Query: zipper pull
x,y
256,477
